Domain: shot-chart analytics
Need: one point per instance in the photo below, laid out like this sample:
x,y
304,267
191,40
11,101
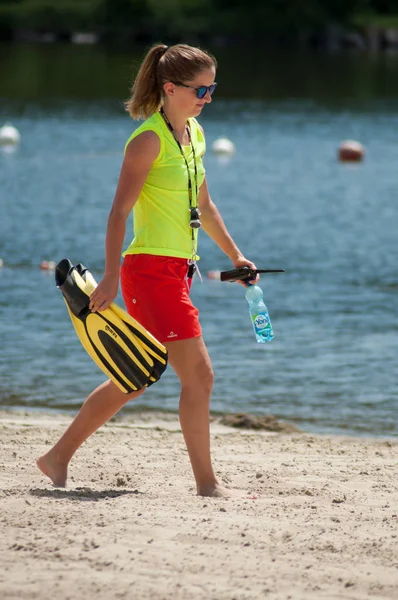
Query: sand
x,y
129,525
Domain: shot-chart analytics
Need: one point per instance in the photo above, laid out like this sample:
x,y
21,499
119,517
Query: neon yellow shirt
x,y
161,214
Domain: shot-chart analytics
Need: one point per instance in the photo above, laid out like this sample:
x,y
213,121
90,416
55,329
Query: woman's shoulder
x,y
150,124
146,139
147,134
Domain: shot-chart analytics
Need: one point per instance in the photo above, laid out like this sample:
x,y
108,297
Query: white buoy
x,y
351,151
223,146
1,263
9,135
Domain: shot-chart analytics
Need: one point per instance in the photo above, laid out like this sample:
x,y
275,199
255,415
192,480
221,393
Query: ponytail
x,y
146,94
161,64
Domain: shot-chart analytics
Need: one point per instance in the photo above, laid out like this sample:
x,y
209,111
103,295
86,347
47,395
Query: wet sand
x,y
323,526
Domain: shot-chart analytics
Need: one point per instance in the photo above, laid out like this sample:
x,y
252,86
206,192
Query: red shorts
x,y
156,293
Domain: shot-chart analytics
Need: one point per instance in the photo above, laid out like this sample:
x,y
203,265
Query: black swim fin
x,y
126,352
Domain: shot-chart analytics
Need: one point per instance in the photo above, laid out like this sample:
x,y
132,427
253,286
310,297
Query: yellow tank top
x,y
161,214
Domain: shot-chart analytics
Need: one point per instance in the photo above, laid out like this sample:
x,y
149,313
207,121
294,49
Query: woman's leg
x,y
191,362
105,401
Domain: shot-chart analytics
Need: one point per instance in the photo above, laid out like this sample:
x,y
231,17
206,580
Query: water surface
x,y
286,200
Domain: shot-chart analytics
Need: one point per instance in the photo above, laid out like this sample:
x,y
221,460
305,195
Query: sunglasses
x,y
200,91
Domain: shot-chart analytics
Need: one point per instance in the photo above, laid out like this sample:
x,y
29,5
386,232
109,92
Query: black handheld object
x,y
245,273
194,221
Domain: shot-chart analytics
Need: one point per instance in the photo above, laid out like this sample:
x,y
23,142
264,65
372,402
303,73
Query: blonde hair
x,y
162,63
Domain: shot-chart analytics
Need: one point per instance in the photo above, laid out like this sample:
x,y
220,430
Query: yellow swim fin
x,y
128,354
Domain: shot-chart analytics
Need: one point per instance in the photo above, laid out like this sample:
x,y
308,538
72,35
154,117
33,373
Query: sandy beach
x,y
317,517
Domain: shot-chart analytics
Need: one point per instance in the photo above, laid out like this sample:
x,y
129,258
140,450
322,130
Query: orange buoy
x,y
47,265
351,151
213,274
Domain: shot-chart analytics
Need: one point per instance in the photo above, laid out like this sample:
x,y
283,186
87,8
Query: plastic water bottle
x,y
259,314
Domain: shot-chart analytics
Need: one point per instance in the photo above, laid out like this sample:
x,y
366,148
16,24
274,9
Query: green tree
x,y
179,19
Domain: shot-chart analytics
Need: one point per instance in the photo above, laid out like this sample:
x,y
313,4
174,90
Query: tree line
x,y
173,20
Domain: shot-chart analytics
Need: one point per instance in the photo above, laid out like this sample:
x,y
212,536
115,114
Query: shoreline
x,y
129,524
238,420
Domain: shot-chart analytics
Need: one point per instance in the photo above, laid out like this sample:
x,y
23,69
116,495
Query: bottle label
x,y
261,322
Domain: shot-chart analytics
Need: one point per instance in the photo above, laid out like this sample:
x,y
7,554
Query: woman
x,y
163,181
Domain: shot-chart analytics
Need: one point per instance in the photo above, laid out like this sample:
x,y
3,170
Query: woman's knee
x,y
207,376
191,363
116,395
201,378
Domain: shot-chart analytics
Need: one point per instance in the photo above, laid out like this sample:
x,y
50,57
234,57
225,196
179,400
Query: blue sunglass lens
x,y
202,91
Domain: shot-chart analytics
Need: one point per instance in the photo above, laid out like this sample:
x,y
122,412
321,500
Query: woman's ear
x,y
168,88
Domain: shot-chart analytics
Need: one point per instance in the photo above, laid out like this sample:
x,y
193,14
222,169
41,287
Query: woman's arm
x,y
214,226
140,155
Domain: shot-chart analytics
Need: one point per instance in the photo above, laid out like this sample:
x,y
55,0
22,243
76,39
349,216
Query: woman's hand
x,y
104,293
242,262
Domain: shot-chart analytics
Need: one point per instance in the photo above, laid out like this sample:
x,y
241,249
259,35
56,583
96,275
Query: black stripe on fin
x,y
129,368
152,348
133,347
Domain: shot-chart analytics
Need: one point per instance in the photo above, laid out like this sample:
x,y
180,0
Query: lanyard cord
x,y
191,205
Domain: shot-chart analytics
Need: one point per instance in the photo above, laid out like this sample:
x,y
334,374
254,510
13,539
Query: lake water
x,y
287,202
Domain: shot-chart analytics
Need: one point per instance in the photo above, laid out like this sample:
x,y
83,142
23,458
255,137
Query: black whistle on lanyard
x,y
245,273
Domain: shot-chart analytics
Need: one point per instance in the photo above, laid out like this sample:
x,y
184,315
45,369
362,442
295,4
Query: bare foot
x,y
51,467
215,490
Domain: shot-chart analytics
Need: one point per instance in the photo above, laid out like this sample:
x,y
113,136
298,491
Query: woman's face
x,y
184,94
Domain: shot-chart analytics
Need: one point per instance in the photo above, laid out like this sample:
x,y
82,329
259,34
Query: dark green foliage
x,y
174,19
